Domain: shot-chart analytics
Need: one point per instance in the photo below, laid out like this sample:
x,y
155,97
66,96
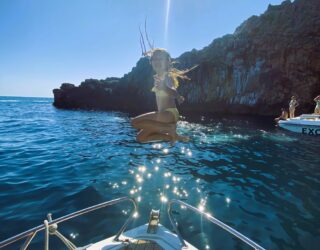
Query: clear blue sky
x,y
44,43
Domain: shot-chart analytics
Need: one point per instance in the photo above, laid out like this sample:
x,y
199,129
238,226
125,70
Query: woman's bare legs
x,y
164,117
157,126
155,131
178,137
291,112
148,136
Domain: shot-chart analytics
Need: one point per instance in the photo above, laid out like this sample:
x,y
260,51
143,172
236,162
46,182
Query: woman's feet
x,y
157,131
182,138
175,136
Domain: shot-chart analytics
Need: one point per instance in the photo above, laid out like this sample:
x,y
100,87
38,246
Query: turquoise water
x,y
258,179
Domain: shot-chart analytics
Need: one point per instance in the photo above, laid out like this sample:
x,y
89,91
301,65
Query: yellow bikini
x,y
175,112
162,93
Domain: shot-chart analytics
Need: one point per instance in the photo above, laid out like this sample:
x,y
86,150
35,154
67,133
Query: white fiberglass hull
x,y
307,125
149,236
164,238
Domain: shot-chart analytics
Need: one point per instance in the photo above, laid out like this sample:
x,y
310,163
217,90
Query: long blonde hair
x,y
172,72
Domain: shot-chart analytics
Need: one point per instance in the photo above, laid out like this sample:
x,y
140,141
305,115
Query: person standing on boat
x,y
292,106
317,108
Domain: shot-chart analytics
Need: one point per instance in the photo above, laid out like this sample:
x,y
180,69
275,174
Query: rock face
x,y
131,93
253,71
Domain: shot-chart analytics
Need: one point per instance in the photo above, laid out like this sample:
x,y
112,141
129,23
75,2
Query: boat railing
x,y
211,219
309,116
50,226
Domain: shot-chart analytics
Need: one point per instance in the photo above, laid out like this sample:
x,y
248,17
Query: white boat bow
x,y
149,236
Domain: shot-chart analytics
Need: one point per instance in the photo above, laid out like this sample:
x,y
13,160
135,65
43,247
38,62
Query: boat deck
x,y
149,236
143,245
138,238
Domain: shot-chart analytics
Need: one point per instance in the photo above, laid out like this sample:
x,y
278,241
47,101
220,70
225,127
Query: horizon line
x,y
26,96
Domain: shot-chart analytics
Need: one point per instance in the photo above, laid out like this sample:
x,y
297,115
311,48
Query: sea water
x,y
258,179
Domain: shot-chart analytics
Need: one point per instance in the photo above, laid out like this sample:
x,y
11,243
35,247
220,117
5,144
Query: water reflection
x,y
258,179
232,171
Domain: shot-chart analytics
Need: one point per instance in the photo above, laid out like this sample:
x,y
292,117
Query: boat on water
x,y
152,235
308,124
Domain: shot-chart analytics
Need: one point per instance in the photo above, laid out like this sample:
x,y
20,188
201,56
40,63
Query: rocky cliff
x,y
256,70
